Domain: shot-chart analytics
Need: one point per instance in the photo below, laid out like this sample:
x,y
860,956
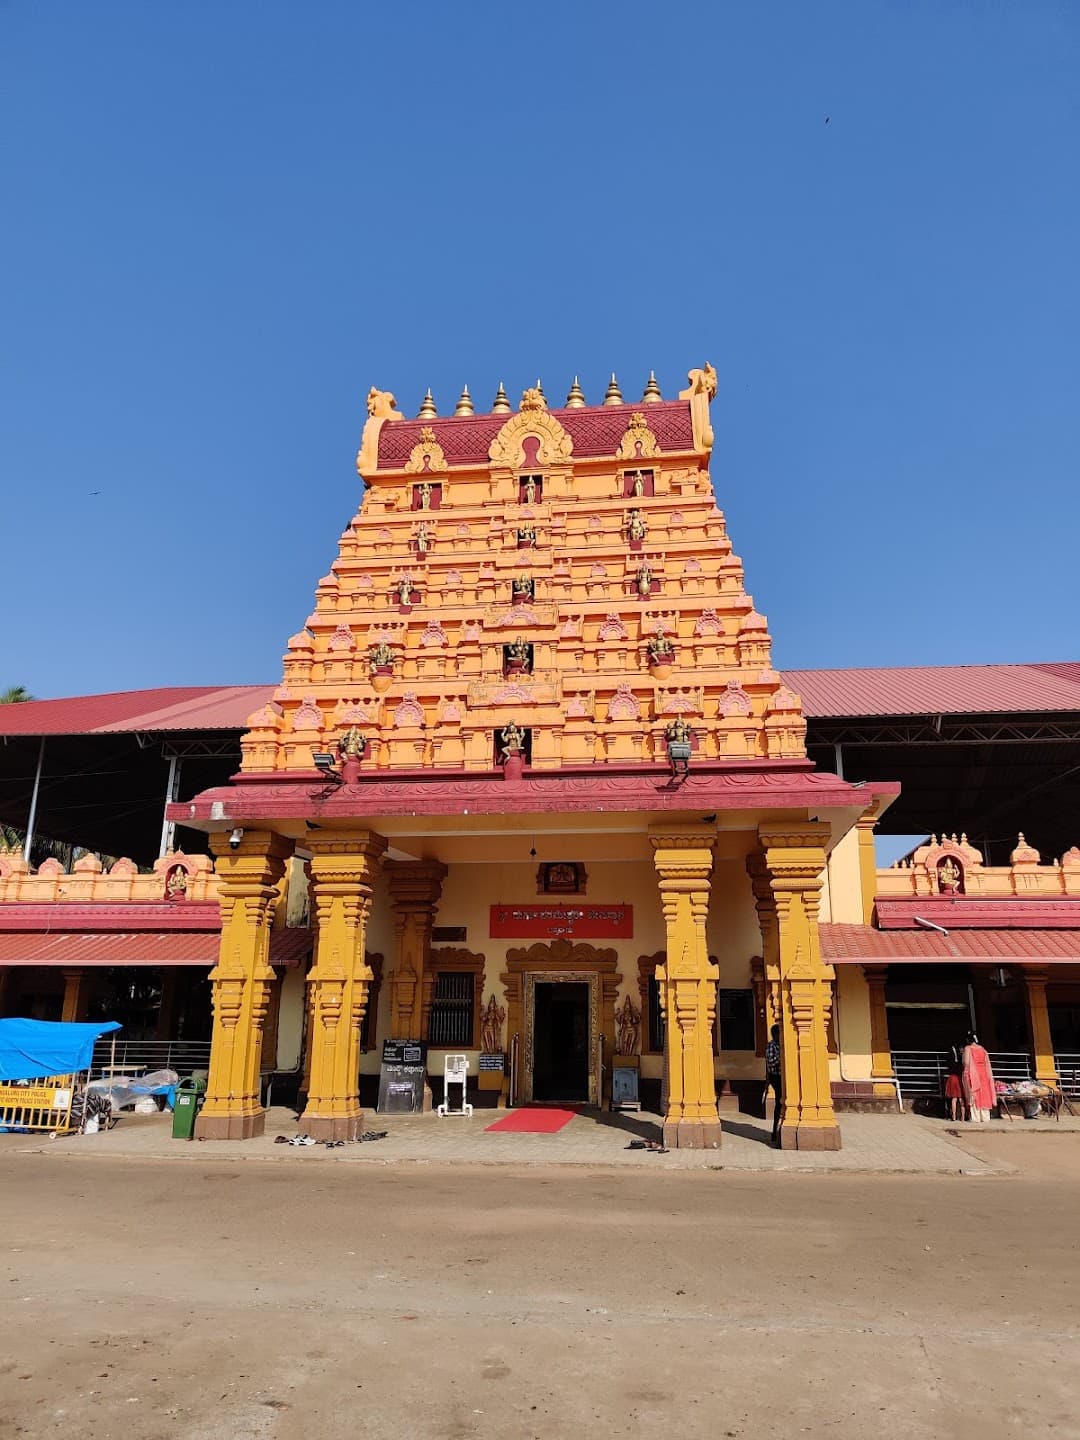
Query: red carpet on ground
x,y
534,1120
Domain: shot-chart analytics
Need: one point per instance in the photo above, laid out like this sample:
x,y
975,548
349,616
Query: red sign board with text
x,y
575,921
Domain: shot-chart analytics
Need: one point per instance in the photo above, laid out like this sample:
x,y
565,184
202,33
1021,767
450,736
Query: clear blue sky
x,y
223,222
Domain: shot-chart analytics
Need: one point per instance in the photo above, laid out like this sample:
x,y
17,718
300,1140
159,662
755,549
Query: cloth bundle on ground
x,y
34,1049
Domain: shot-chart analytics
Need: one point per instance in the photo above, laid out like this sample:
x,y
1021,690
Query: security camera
x,y
235,838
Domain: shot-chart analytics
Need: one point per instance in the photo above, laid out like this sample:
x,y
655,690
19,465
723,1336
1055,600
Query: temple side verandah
x,y
534,648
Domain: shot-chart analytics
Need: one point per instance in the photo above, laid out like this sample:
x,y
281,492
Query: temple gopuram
x,y
533,707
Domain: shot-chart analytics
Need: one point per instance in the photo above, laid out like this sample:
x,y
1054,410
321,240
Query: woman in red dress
x,y
978,1081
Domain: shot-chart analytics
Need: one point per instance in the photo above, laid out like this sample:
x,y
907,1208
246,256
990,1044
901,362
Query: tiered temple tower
x,y
564,572
534,625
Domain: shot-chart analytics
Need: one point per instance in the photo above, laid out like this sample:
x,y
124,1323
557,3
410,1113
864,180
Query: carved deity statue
x,y
702,382
519,650
678,732
659,647
637,489
423,538
949,875
635,525
380,657
352,745
522,587
492,1017
424,489
529,490
627,1025
527,537
513,740
644,581
405,590
177,883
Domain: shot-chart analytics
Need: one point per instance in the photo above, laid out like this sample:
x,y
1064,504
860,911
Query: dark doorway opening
x,y
561,1042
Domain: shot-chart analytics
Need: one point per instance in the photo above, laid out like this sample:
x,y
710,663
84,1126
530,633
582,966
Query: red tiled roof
x,y
910,690
850,944
175,707
938,689
148,947
466,439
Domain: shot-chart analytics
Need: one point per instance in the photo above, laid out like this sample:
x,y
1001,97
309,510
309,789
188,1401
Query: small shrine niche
x,y
950,876
526,537
176,883
530,487
423,538
517,658
522,588
561,877
426,495
637,484
406,592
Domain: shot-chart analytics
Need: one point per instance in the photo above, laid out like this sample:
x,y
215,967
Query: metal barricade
x,y
39,1104
1009,1066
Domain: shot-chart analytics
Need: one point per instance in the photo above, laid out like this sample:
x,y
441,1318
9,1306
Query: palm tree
x,y
15,695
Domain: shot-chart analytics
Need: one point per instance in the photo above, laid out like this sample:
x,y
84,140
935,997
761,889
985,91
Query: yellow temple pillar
x,y
248,876
415,890
881,1066
684,858
1042,1042
75,998
343,871
794,862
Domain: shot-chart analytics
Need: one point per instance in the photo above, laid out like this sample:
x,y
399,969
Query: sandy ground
x,y
158,1301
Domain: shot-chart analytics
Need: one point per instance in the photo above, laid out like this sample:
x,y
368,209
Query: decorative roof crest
x,y
638,441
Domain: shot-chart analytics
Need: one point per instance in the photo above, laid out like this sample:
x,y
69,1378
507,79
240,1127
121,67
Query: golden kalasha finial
x,y
575,400
651,394
464,405
501,404
427,409
613,395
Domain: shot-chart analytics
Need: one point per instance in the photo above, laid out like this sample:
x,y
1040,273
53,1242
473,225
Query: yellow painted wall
x,y
291,1020
852,1001
841,896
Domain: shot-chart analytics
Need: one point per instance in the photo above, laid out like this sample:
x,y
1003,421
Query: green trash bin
x,y
189,1098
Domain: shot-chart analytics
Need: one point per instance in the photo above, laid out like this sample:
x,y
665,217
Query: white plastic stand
x,y
455,1072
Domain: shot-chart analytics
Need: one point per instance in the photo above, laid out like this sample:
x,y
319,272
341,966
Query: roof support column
x,y
343,872
1042,1043
793,857
684,860
249,874
881,1066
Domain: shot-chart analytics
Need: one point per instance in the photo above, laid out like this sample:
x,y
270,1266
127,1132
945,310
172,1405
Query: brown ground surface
x,y
157,1300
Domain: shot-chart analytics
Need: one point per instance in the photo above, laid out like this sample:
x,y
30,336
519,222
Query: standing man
x,y
772,1079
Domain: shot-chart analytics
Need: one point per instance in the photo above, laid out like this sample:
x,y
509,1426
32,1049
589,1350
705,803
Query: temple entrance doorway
x,y
561,1041
560,1021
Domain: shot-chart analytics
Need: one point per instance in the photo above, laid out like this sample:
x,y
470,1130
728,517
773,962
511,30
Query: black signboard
x,y
402,1077
494,1061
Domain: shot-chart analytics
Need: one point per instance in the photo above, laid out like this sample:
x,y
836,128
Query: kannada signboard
x,y
547,922
402,1076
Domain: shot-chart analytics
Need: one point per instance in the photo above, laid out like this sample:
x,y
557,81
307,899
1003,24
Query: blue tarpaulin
x,y
32,1049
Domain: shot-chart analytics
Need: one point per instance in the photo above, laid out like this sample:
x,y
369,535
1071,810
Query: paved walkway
x,y
908,1144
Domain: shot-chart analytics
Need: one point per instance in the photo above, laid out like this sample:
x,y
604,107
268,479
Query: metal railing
x,y
1067,1065
136,1057
923,1072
